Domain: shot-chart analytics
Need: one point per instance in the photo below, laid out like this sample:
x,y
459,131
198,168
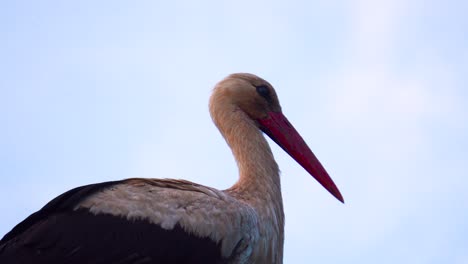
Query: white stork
x,y
177,221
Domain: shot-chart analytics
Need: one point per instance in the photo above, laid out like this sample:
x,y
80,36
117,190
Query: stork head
x,y
257,98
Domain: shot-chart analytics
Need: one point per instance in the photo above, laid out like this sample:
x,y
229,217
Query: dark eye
x,y
263,91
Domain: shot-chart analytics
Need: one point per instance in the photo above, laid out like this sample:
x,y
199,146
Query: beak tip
x,y
341,200
337,195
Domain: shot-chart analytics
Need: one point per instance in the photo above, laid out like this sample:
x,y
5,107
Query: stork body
x,y
177,221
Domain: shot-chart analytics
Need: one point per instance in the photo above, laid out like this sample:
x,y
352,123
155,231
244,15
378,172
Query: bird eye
x,y
263,91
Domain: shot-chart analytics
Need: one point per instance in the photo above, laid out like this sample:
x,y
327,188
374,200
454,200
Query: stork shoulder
x,y
200,210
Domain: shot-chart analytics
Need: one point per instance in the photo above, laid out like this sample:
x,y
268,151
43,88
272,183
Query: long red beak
x,y
278,128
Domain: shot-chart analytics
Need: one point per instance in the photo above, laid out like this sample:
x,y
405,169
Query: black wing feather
x,y
59,234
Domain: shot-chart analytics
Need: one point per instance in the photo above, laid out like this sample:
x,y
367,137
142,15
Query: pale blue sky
x,y
96,91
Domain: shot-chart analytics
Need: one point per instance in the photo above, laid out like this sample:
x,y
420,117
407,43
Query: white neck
x,y
259,181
